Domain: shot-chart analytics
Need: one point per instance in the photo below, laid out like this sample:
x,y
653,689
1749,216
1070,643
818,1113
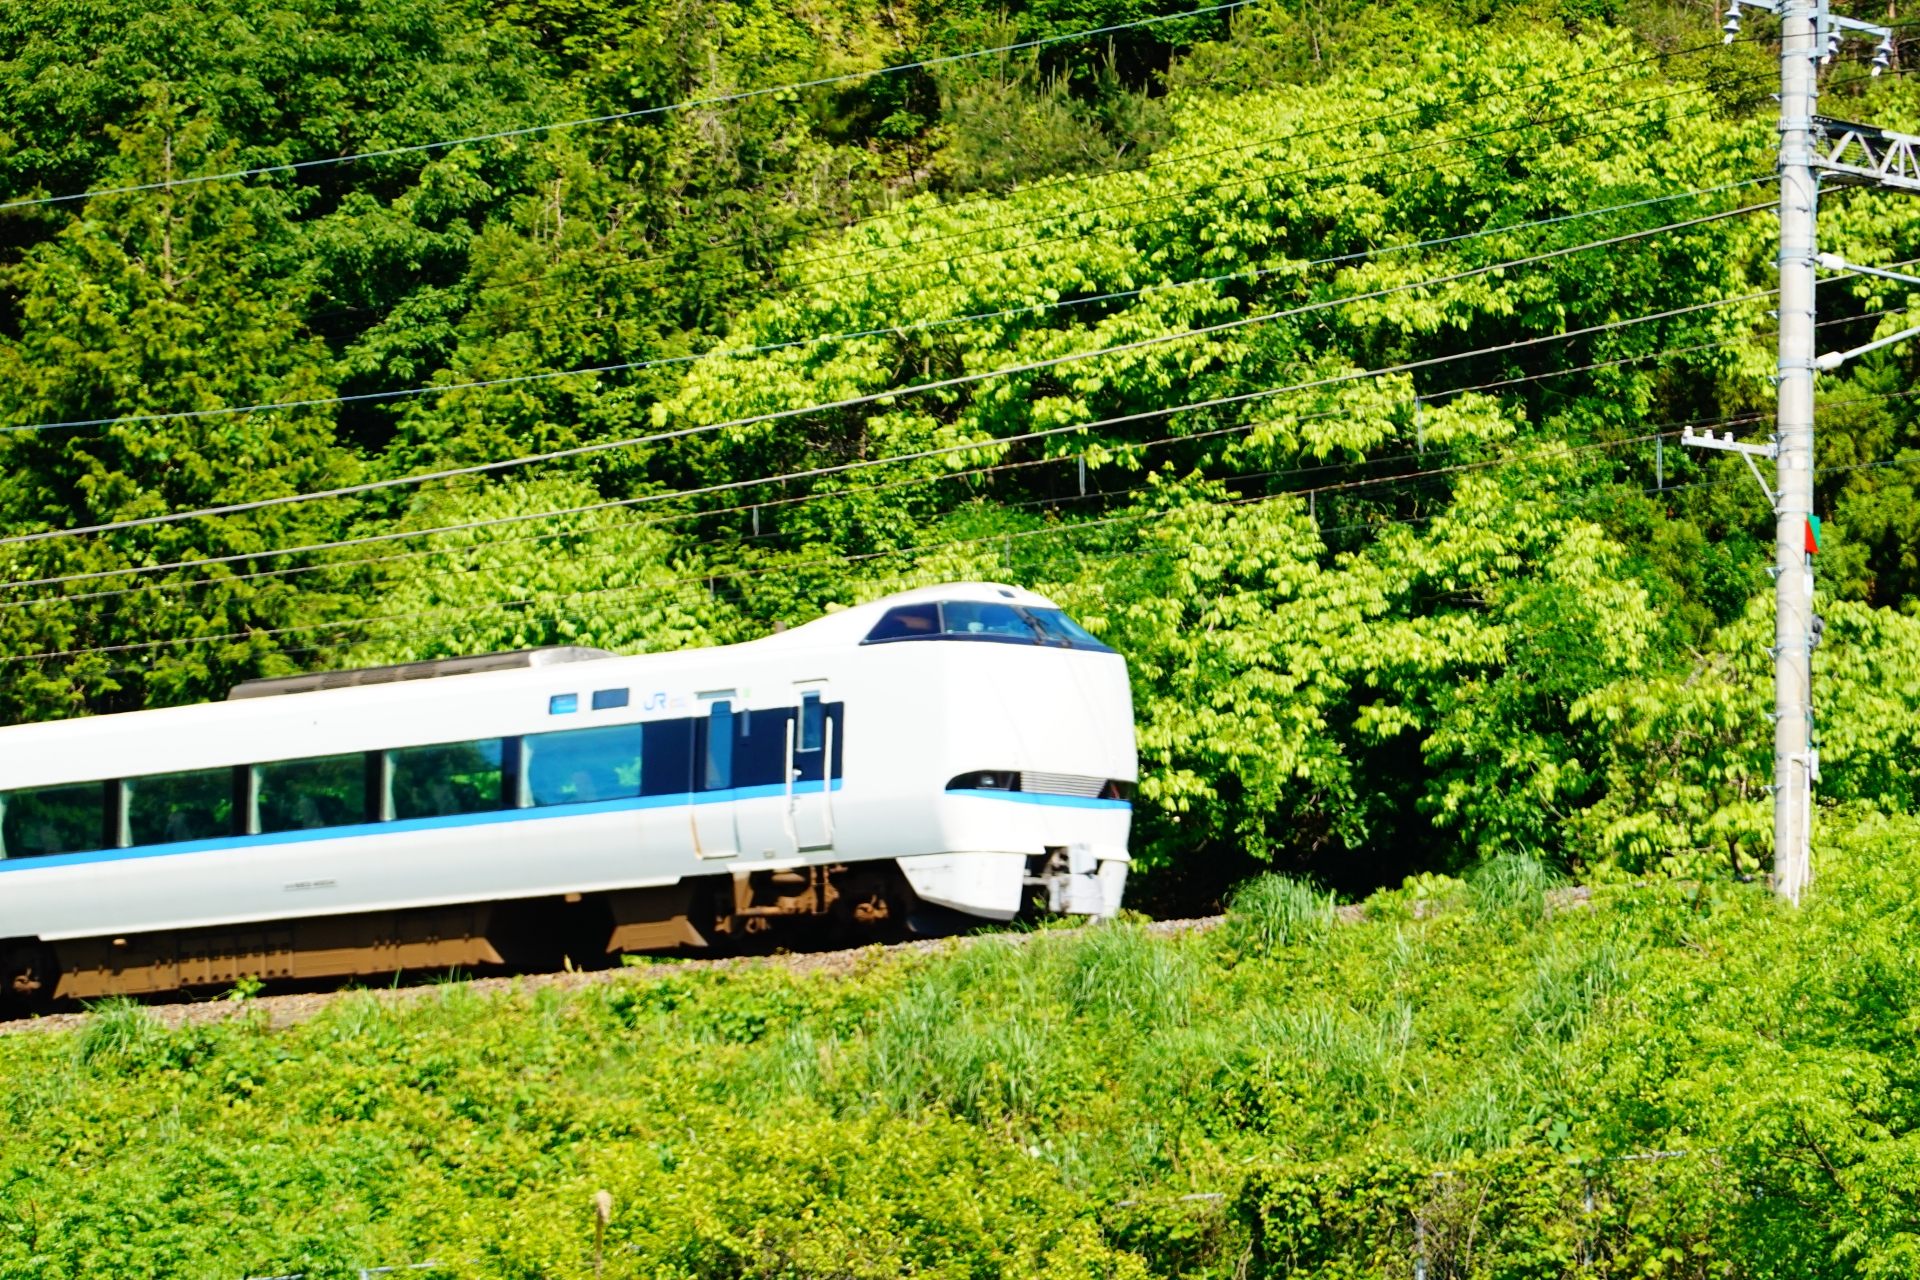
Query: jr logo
x,y
654,702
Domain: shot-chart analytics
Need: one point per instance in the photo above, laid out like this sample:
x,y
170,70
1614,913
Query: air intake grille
x,y
1062,784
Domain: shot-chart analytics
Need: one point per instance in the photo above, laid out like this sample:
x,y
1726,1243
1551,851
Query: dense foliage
x,y
1425,576
1472,1074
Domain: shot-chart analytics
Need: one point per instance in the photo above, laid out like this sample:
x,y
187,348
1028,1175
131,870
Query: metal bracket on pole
x,y
1834,262
1746,451
1834,359
1865,155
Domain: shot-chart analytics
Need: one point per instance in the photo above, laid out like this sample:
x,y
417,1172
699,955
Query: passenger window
x,y
813,721
438,782
605,699
1000,621
170,807
906,622
669,756
306,795
46,820
719,771
582,765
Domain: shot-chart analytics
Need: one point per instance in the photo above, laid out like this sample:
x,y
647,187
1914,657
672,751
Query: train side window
x,y
45,820
813,722
306,795
718,775
444,780
581,765
605,699
166,808
669,757
906,622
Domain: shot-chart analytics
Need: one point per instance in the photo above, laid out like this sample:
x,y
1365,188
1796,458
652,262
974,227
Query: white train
x,y
944,755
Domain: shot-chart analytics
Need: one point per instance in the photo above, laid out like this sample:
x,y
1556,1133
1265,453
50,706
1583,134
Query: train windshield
x,y
990,621
1060,629
982,620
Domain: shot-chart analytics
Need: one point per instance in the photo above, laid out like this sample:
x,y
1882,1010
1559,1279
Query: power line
x,y
1342,486
846,559
805,498
767,480
1034,309
659,257
910,211
1175,193
1535,123
890,394
617,116
948,450
563,274
1428,397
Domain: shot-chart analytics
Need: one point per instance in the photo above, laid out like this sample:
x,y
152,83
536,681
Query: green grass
x,y
1040,1105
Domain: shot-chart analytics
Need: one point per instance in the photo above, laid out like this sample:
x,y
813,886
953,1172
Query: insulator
x,y
1833,46
1731,26
1882,55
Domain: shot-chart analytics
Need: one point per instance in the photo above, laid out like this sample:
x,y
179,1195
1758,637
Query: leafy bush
x,y
1107,1102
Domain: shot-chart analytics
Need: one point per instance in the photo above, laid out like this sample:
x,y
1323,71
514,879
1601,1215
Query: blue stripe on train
x,y
1034,797
492,817
403,825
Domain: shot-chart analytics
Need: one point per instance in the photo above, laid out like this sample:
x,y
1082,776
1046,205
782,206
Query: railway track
x,y
290,1009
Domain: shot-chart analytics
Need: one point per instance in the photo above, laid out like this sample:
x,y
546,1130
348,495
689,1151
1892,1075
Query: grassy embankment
x,y
1041,1107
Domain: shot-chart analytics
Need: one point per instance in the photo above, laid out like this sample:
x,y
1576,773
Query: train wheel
x,y
29,974
873,906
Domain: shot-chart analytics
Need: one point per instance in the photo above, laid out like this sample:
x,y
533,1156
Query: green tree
x,y
147,306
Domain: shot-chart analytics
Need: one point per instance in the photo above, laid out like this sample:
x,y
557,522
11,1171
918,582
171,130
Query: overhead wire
x,y
1368,482
838,559
778,502
889,394
719,353
1246,274
1119,448
502,135
715,354
910,209
989,444
563,275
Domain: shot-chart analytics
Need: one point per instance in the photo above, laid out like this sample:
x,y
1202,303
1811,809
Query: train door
x,y
711,803
763,755
815,758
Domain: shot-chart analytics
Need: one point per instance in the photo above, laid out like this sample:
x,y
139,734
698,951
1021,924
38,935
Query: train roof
x,y
39,754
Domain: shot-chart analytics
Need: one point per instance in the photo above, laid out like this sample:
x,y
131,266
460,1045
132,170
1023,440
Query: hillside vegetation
x,y
1283,1095
1326,359
1424,577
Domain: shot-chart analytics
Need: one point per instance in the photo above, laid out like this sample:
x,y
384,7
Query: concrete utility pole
x,y
1810,35
1793,761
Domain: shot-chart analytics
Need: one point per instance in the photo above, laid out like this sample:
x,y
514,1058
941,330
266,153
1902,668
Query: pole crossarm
x,y
1707,440
1865,155
1747,452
